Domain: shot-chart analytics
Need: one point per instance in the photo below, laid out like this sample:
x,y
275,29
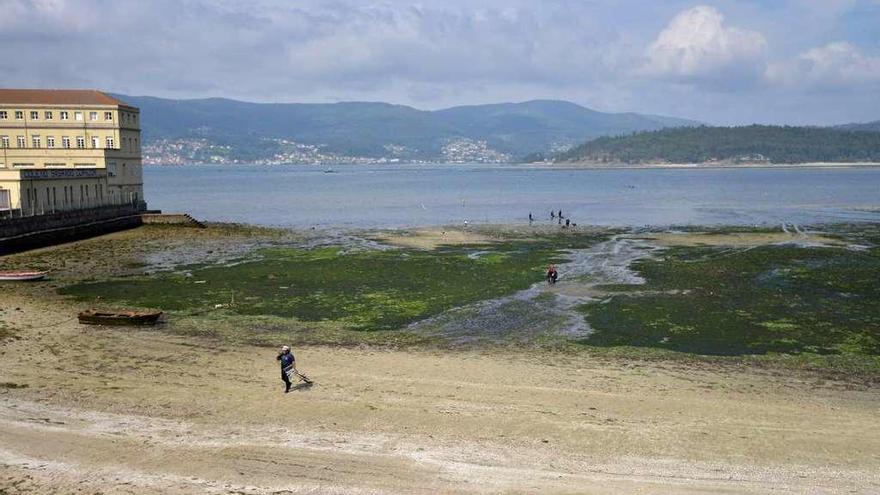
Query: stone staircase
x,y
183,219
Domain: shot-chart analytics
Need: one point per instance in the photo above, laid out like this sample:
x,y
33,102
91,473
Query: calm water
x,y
410,195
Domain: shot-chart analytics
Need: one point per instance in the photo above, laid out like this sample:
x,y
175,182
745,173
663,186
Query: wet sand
x,y
433,238
90,409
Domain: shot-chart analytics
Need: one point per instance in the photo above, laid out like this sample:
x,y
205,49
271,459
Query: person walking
x,y
552,274
531,218
288,368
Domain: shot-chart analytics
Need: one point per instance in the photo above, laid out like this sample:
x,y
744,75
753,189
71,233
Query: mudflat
x,y
89,409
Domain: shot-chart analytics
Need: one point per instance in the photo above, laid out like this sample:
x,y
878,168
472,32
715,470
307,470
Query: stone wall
x,y
19,234
171,219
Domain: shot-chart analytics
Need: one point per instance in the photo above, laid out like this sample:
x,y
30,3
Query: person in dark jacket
x,y
288,367
552,274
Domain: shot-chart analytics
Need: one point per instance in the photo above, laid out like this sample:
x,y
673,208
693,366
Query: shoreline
x,y
153,250
184,407
705,166
546,165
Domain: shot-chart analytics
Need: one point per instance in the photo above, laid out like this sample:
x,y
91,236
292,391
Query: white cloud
x,y
698,45
837,64
608,54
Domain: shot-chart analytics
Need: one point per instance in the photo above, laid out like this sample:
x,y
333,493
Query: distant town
x,y
184,151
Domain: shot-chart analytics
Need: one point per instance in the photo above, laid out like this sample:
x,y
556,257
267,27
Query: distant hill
x,y
863,127
217,129
756,143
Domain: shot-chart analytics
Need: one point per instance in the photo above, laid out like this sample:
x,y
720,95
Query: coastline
x,y
199,407
551,165
701,166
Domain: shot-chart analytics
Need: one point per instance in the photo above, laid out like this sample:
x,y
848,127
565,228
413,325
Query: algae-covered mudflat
x,y
790,298
363,289
818,302
441,356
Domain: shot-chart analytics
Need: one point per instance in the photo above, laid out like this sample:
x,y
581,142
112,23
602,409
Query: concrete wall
x,y
20,234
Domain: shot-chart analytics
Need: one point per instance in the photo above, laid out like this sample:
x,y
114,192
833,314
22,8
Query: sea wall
x,y
183,219
20,234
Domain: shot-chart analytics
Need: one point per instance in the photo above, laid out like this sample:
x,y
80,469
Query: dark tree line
x,y
774,144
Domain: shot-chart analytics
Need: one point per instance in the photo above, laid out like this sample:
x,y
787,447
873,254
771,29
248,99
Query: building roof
x,y
57,97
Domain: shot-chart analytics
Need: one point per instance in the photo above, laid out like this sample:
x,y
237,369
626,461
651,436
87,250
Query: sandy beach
x,y
91,409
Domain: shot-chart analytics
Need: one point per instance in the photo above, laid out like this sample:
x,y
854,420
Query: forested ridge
x,y
754,143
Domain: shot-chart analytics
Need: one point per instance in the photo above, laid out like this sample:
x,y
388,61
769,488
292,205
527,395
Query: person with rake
x,y
288,368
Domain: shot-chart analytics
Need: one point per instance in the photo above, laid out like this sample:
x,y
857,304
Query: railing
x,y
51,207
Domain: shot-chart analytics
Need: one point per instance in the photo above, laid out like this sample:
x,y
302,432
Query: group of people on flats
x,y
558,217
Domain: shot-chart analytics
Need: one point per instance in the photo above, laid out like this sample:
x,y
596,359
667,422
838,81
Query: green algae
x,y
362,290
770,300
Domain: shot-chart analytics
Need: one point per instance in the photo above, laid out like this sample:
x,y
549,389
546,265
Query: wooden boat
x,y
23,275
93,317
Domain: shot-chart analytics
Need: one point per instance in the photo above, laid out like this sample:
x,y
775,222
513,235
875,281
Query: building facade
x,y
67,149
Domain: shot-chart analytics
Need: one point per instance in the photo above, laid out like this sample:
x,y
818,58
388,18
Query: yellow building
x,y
67,149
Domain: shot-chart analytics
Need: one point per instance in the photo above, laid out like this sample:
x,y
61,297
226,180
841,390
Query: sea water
x,y
389,196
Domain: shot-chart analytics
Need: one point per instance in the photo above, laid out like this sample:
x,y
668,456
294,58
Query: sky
x,y
719,61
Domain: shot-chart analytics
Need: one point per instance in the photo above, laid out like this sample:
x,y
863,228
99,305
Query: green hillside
x,y
863,127
755,143
252,130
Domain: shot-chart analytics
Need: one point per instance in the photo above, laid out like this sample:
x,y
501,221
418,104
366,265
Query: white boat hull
x,y
22,276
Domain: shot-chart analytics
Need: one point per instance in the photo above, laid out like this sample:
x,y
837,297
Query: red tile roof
x,y
57,97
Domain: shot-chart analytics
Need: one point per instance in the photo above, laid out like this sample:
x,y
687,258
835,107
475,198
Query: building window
x,y
108,115
22,165
50,141
109,143
48,115
96,142
4,141
93,115
3,115
21,141
80,142
65,115
35,115
84,165
56,165
19,114
65,142
78,116
35,141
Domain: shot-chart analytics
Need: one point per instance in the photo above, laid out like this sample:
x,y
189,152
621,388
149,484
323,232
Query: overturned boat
x,y
120,318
